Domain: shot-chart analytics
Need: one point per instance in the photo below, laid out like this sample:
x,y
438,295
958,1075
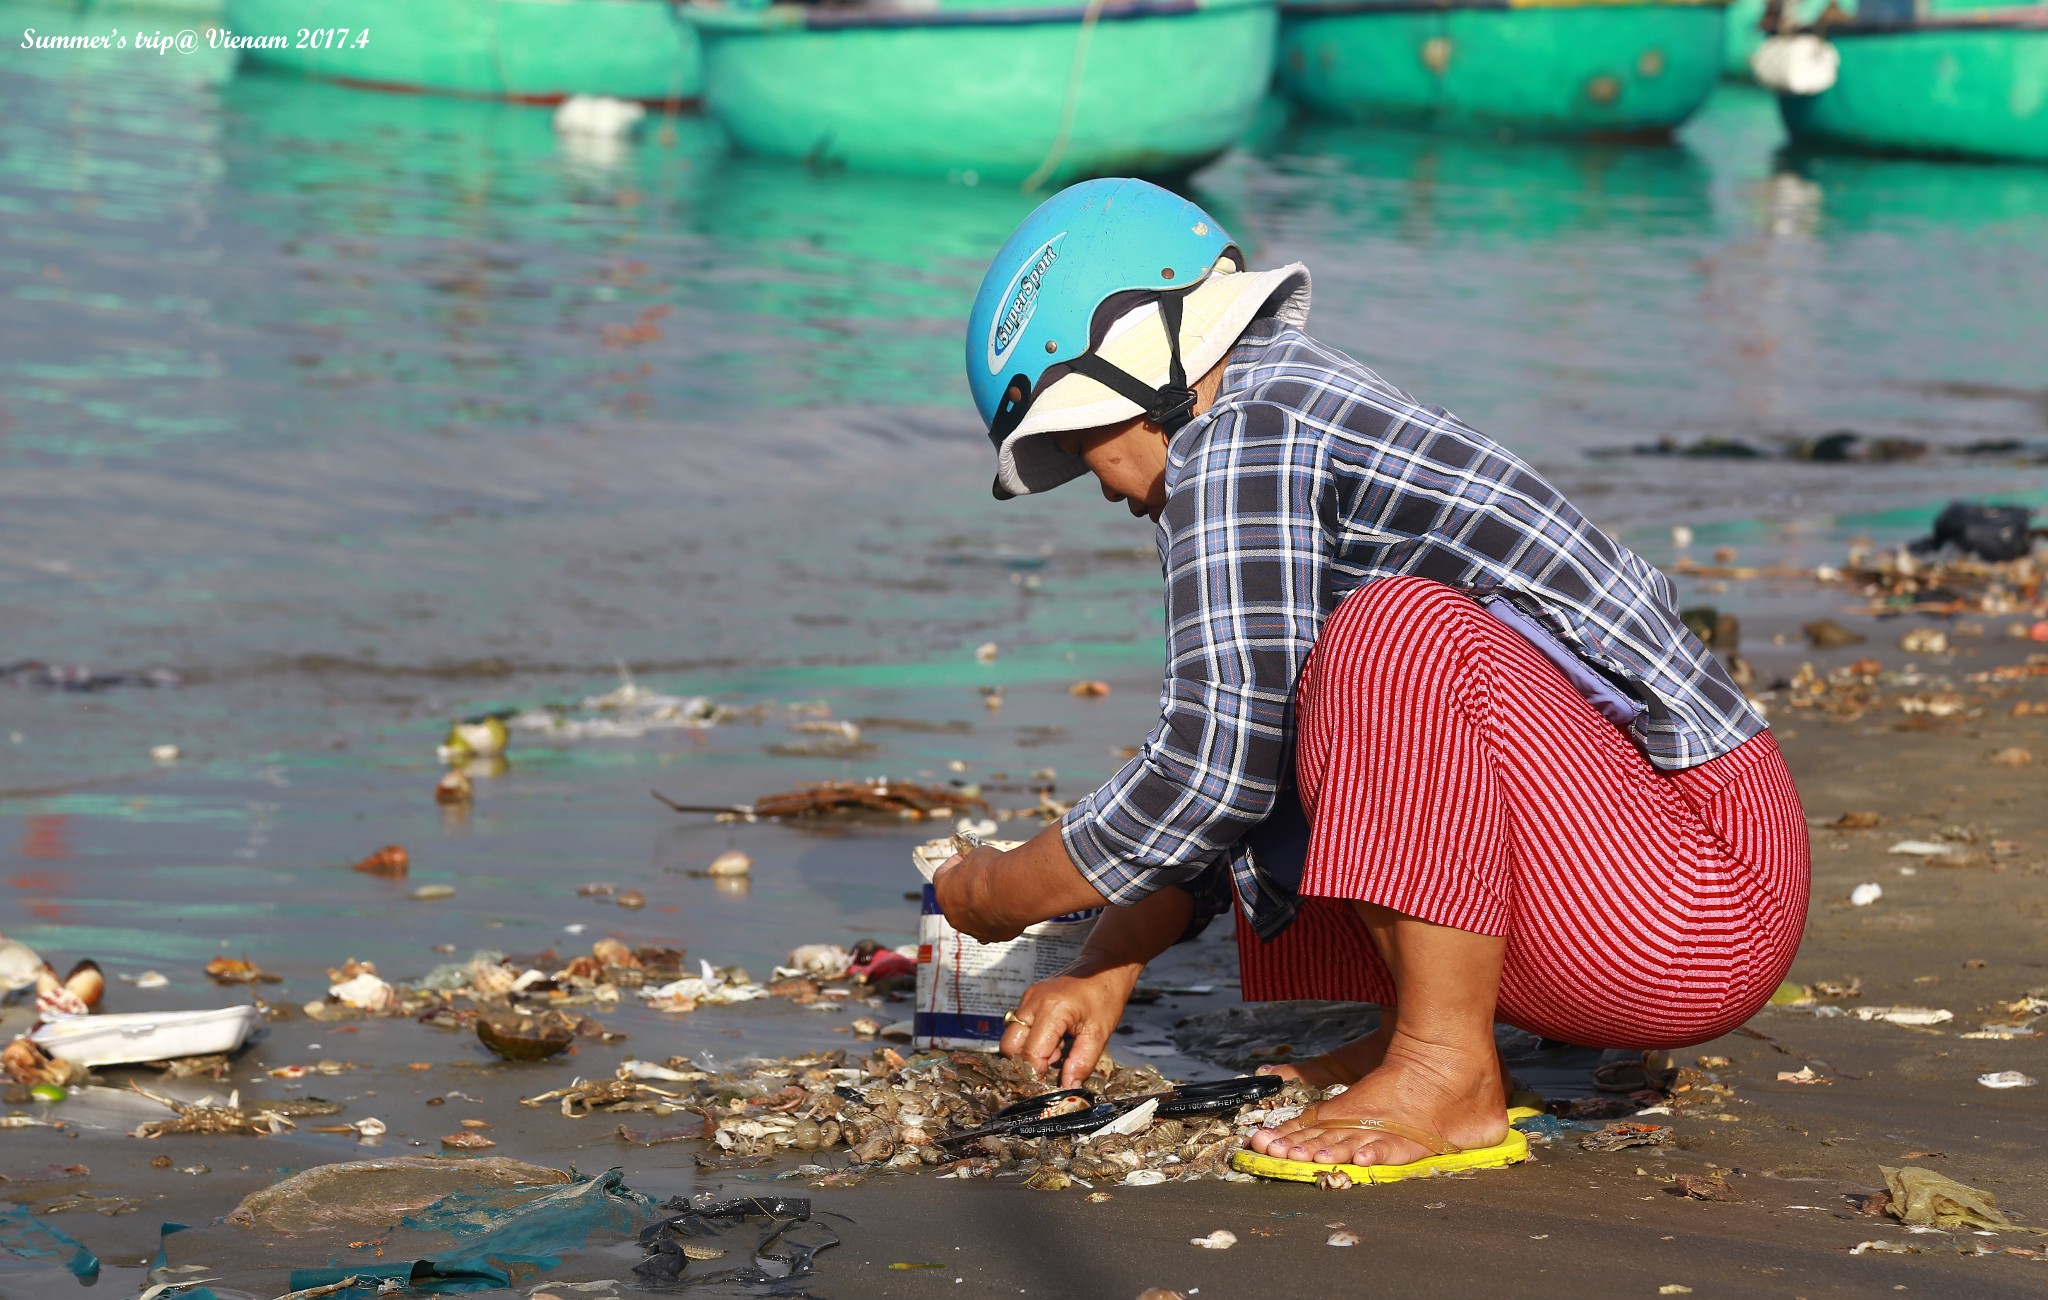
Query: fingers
x,y
1015,1032
1089,1038
1050,1026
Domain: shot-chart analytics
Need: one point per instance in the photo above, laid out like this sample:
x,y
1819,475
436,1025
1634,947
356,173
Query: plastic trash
x,y
25,1239
1923,1198
466,1240
1795,65
2007,1079
92,1041
1865,895
359,1195
964,986
1918,1017
1994,533
597,115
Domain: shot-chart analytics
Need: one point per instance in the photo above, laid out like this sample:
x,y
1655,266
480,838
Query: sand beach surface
x,y
1796,1116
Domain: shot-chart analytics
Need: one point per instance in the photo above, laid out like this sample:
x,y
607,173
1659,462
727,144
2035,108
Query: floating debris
x,y
1914,1017
879,797
2007,1079
239,970
518,1036
473,738
259,1119
730,863
391,861
1922,848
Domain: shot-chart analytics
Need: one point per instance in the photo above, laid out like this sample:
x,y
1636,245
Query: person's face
x,y
1128,460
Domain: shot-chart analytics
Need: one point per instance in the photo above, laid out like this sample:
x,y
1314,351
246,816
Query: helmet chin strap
x,y
1170,407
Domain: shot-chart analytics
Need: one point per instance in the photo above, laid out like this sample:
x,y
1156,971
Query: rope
x,y
1080,64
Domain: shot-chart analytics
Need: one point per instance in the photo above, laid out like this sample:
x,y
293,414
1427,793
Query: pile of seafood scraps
x,y
944,1113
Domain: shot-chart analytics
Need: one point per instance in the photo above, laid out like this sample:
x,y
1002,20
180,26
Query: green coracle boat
x,y
1573,67
1045,94
1970,84
532,51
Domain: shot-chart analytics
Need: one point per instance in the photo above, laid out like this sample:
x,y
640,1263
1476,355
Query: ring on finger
x,y
1012,1018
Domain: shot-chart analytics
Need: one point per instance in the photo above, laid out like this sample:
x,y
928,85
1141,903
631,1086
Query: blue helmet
x,y
1034,317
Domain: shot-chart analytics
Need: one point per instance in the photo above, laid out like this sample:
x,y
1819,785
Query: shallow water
x,y
365,411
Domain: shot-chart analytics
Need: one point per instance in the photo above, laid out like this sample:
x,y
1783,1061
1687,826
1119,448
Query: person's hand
x,y
966,890
1085,1002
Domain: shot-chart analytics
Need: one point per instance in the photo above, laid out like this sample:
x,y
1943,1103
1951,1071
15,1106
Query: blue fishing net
x,y
25,1239
490,1238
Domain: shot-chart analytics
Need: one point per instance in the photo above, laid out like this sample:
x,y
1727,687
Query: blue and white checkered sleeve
x,y
1247,557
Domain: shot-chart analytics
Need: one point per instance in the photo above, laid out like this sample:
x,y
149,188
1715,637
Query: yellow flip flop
x,y
1444,1158
1524,1104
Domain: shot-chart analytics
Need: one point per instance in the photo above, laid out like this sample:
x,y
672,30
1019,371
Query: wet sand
x,y
1968,938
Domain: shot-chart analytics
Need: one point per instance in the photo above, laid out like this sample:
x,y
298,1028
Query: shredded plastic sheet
x,y
363,1196
1923,1198
776,1264
27,1244
475,1240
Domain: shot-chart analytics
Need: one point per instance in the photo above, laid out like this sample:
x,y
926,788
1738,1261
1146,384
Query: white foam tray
x,y
158,1036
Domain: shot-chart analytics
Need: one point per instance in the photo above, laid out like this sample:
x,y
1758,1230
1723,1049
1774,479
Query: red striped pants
x,y
1450,772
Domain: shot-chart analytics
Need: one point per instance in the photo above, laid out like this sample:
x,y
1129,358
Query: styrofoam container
x,y
150,1036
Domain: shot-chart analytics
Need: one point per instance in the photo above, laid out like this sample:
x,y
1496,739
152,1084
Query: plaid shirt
x,y
1310,477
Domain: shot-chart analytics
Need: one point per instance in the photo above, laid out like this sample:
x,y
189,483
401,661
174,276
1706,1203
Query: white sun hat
x,y
1214,314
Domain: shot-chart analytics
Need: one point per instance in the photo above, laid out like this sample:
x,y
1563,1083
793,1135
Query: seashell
x,y
1090,690
163,753
524,1038
631,899
454,788
615,954
467,1141
1335,1180
491,979
729,864
365,992
1221,1239
391,861
1342,1238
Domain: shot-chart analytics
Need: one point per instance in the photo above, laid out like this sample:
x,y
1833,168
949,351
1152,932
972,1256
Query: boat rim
x,y
1346,8
805,17
2017,19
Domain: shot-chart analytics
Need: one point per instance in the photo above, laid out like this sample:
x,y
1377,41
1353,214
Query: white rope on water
x,y
1074,73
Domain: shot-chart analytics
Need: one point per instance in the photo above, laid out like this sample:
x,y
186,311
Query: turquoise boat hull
x,y
1155,87
1573,69
1963,87
532,51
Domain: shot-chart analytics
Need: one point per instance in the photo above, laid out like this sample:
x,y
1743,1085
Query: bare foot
x,y
1450,1091
1344,1065
1356,1059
